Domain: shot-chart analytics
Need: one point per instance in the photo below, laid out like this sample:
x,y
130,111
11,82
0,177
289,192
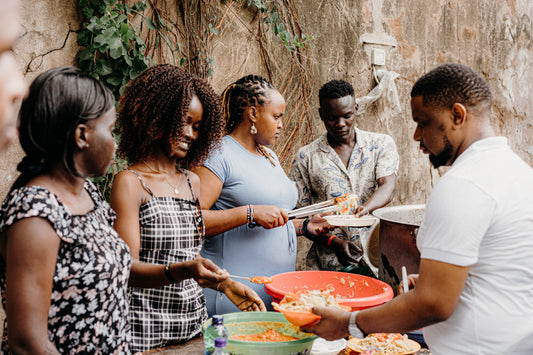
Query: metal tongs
x,y
310,210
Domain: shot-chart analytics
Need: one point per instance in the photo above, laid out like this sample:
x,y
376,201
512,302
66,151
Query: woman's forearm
x,y
145,275
221,221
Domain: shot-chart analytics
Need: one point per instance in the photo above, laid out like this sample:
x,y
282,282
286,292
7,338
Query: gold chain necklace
x,y
174,187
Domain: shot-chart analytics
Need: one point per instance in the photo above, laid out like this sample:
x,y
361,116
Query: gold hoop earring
x,y
253,130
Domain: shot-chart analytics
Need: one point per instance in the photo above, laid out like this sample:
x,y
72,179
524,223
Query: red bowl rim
x,y
361,302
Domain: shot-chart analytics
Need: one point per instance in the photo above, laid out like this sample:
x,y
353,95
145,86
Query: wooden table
x,y
196,347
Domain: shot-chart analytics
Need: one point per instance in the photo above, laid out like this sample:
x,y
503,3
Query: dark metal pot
x,y
397,241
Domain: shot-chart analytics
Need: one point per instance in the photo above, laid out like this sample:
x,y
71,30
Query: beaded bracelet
x,y
168,274
250,216
251,213
299,230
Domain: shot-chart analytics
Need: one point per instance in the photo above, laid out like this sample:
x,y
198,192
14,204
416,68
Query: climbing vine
x,y
114,51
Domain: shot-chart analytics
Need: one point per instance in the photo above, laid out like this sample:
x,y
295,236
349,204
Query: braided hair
x,y
152,111
248,90
452,83
58,101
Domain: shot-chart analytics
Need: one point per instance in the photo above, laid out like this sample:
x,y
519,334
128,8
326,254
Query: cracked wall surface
x,y
492,36
48,41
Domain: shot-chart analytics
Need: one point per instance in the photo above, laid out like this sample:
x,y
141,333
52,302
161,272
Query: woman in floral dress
x,y
65,268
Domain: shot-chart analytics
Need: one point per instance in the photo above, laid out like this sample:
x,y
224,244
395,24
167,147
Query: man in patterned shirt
x,y
343,160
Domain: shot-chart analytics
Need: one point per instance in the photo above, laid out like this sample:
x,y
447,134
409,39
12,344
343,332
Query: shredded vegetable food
x,y
270,335
386,343
261,279
304,301
346,203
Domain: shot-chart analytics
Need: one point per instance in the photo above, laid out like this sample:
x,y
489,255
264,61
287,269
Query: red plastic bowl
x,y
357,291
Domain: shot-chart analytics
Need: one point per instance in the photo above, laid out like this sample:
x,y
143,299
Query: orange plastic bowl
x,y
302,319
356,291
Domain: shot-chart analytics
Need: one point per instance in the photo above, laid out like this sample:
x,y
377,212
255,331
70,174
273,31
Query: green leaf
x,y
116,53
127,59
141,6
84,37
102,68
94,26
86,54
213,29
150,23
122,18
124,30
114,80
182,61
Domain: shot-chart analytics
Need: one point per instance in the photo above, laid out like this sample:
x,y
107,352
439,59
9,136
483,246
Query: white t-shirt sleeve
x,y
456,218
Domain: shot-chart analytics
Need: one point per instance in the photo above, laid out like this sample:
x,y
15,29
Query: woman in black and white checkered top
x,y
168,117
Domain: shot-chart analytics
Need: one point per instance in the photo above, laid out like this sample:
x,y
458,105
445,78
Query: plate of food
x,y
296,307
350,220
384,344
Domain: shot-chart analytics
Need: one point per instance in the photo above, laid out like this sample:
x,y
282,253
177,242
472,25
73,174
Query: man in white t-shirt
x,y
474,291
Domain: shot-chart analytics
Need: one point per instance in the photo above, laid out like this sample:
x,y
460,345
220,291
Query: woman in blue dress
x,y
248,193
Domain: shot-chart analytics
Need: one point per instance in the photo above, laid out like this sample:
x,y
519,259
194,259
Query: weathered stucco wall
x,y
48,41
492,36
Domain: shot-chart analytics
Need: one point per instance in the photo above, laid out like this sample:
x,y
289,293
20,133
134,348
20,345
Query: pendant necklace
x,y
174,187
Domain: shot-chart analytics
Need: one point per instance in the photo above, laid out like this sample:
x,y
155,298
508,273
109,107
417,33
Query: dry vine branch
x,y
188,23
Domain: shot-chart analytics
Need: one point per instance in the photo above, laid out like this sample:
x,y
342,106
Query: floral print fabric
x,y
320,175
89,307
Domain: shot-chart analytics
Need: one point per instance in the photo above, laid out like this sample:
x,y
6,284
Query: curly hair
x,y
248,90
152,111
452,83
58,101
335,89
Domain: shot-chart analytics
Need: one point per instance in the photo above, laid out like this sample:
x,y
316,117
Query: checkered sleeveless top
x,y
171,232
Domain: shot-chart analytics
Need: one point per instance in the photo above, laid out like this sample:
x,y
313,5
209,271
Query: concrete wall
x,y
48,41
492,36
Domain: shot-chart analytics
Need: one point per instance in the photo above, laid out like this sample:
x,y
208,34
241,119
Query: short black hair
x,y
452,83
335,89
58,101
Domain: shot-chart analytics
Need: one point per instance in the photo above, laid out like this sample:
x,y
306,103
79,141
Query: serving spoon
x,y
255,279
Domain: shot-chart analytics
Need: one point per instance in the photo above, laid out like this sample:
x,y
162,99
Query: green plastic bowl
x,y
247,323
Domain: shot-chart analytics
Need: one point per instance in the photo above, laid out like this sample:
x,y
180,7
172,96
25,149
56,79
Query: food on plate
x,y
384,343
304,301
261,279
346,203
270,335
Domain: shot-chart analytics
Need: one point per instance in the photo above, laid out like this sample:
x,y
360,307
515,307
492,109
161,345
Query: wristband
x,y
353,328
305,232
168,274
330,239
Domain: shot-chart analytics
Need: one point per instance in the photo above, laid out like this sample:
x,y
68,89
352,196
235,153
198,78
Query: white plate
x,y
349,220
323,347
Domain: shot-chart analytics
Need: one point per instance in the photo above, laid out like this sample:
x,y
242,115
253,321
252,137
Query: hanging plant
x,y
114,51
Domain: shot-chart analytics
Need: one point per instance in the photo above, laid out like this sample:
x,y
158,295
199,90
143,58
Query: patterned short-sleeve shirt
x,y
320,175
88,306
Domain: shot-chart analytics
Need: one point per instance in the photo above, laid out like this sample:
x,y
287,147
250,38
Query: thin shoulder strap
x,y
142,182
199,218
189,182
